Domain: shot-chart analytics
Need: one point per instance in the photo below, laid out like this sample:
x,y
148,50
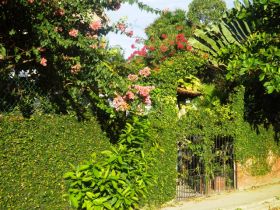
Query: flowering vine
x,y
137,98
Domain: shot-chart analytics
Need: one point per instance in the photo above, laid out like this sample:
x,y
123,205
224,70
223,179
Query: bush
x,y
36,152
119,179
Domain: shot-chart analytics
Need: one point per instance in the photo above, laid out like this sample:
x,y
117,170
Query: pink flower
x,y
130,95
30,1
145,72
73,32
43,61
142,52
121,27
129,33
95,25
180,45
144,91
132,77
189,48
147,100
133,46
164,36
163,48
120,104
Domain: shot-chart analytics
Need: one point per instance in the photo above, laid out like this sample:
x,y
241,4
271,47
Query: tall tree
x,y
206,11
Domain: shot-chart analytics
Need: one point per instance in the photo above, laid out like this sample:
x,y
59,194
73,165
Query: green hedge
x,y
36,152
164,131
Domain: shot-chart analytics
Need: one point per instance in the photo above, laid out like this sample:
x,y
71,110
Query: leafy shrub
x,y
175,68
118,179
35,154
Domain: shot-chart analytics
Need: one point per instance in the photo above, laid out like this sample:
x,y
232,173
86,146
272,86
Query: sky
x,y
138,20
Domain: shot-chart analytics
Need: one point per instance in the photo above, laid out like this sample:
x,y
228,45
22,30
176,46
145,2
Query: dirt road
x,y
259,198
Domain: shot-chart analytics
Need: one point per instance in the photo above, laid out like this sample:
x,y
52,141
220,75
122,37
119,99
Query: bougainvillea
x,y
136,98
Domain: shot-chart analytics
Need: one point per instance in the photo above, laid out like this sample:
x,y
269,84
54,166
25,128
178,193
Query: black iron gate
x,y
204,170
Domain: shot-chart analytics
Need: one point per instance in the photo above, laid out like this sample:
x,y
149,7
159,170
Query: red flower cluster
x,y
164,36
180,45
181,42
151,48
142,52
181,38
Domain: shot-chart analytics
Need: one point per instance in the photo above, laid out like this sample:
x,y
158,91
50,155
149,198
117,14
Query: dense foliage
x,y
36,152
167,94
60,47
56,45
251,58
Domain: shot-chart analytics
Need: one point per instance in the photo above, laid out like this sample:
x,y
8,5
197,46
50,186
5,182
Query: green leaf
x,y
83,167
100,201
87,179
261,77
69,175
107,152
96,173
12,32
74,201
90,194
17,58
